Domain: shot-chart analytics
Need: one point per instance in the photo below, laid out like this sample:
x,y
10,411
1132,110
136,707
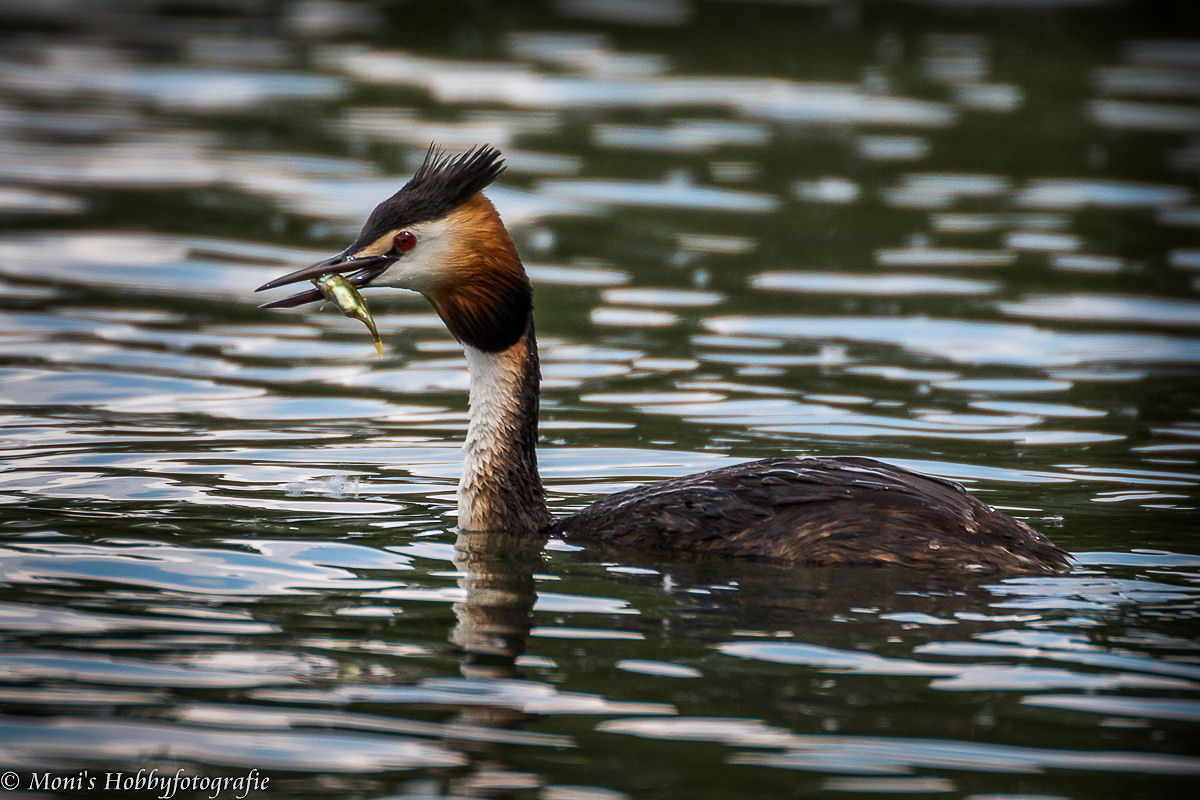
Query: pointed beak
x,y
358,271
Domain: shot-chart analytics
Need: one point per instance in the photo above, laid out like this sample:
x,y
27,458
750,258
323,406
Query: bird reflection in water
x,y
492,622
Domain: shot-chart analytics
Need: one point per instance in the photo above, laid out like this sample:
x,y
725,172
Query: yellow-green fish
x,y
342,294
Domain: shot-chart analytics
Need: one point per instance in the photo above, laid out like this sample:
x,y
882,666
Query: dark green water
x,y
963,237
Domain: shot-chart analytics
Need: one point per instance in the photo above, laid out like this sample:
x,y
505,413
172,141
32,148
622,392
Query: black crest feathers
x,y
441,184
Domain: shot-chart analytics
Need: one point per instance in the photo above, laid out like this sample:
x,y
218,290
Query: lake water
x,y
963,238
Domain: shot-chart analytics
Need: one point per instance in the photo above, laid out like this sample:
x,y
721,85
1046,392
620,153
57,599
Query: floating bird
x,y
441,237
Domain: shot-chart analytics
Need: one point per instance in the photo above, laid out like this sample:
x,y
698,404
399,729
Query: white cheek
x,y
410,272
420,268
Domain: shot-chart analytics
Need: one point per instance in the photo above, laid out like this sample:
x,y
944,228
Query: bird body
x,y
441,237
827,511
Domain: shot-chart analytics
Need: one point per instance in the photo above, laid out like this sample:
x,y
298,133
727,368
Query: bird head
x,y
441,237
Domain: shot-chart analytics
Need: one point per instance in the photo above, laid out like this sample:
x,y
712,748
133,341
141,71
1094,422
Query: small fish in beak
x,y
339,291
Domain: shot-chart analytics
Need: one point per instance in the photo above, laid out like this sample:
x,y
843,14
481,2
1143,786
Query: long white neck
x,y
500,488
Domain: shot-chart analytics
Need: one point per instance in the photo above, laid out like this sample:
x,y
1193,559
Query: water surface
x,y
960,240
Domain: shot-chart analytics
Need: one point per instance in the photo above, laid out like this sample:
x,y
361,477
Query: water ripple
x,y
866,754
65,740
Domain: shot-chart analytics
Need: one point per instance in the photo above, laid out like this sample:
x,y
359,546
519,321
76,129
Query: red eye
x,y
405,240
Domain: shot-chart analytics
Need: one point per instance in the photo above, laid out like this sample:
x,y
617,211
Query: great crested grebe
x,y
441,237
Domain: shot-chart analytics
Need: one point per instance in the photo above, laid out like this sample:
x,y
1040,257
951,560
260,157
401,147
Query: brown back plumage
x,y
816,511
